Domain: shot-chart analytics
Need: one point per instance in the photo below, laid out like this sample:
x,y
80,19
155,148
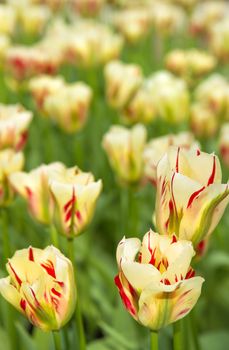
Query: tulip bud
x,y
122,82
157,148
75,195
206,14
87,7
133,23
141,108
7,19
14,123
10,162
155,279
204,121
170,96
219,39
224,144
214,93
125,149
33,18
43,86
168,18
190,63
189,201
68,106
34,188
41,286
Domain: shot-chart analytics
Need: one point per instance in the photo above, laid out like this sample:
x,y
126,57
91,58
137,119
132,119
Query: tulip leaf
x,y
215,341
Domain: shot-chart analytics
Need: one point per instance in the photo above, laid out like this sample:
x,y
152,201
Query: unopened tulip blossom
x,y
34,188
124,148
75,194
68,106
156,149
10,162
122,82
44,85
204,122
14,124
190,63
41,286
190,196
33,18
87,7
155,280
219,39
7,19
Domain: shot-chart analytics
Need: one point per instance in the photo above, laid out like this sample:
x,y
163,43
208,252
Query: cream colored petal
x,y
140,275
127,249
10,293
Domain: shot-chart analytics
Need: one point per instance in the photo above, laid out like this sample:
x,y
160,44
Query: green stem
x,y
154,344
54,235
57,340
133,212
7,253
78,316
194,331
124,210
177,336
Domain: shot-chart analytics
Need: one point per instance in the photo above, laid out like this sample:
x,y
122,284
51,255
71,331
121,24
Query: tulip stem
x,y
177,336
54,236
57,340
154,341
78,315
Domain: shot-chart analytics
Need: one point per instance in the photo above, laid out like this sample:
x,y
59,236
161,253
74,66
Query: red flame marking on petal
x,y
212,176
183,312
19,281
48,266
54,291
23,304
174,239
197,152
177,160
190,273
31,257
125,299
193,196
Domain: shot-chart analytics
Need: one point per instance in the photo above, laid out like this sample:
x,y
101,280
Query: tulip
x,y
219,39
124,149
204,122
214,93
189,201
41,286
10,162
168,18
69,106
155,280
90,44
75,195
34,188
88,7
33,18
206,14
43,86
7,19
122,82
157,148
134,23
224,144
170,96
14,123
190,63
141,108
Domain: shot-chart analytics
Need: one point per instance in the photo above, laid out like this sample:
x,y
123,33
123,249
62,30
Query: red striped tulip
x,y
10,162
190,197
41,286
14,124
34,187
155,280
75,195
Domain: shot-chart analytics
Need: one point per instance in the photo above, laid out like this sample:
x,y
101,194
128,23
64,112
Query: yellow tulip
x,y
124,148
155,280
190,197
41,286
75,194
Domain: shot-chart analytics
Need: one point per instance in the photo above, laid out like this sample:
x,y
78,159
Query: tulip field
x,y
114,168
